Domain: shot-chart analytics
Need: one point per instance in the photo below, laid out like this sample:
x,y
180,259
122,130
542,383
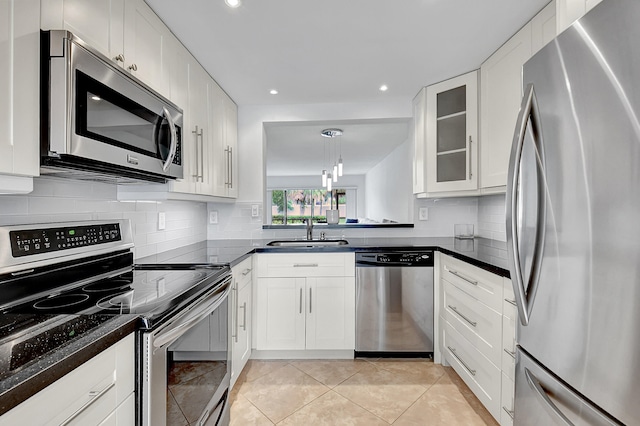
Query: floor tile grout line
x,y
417,399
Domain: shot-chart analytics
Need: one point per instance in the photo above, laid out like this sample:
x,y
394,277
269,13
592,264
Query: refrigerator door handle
x,y
525,295
542,394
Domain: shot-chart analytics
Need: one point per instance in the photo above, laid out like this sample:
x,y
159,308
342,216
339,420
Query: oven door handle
x,y
205,307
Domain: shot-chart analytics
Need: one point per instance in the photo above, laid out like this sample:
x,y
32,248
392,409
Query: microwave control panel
x,y
46,240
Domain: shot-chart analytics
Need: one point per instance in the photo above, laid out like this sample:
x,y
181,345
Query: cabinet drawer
x,y
508,347
506,405
482,377
243,272
110,374
509,300
306,265
479,324
480,284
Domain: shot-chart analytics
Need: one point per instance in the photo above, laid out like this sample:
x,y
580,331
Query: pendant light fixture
x,y
337,165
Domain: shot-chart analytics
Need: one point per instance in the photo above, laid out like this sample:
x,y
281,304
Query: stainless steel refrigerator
x,y
573,220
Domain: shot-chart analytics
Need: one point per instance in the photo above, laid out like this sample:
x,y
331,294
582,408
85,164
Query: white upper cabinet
x,y
452,135
146,45
100,23
501,86
568,11
419,142
19,85
543,27
501,94
128,32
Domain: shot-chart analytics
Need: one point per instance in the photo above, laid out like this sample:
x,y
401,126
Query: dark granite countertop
x,y
38,373
484,253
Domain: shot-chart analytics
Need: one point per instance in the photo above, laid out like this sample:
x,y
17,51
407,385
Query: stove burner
x,y
109,285
121,302
61,301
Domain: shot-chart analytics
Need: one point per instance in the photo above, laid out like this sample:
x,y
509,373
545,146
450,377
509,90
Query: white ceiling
x,y
337,51
298,149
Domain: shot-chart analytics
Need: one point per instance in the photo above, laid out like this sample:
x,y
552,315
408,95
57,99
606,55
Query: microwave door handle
x,y
174,139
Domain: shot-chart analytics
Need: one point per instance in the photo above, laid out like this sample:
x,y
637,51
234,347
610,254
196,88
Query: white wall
x,y
60,200
388,187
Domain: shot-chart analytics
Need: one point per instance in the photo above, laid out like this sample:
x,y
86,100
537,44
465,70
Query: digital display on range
x,y
36,241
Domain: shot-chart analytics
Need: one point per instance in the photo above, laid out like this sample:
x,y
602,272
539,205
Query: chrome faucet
x,y
309,229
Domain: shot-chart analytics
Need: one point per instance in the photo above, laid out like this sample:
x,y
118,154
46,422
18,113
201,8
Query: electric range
x,y
60,281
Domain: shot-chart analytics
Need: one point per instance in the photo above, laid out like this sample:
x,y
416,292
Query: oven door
x,y
185,365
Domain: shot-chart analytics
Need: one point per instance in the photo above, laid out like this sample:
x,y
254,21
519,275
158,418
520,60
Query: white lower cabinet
x,y
477,326
100,391
241,309
299,308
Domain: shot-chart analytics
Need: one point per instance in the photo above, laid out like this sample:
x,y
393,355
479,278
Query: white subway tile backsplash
x,y
64,200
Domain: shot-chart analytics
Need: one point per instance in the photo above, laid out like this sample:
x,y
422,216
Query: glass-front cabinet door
x,y
452,129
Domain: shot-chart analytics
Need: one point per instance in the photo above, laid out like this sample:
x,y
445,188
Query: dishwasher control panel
x,y
396,258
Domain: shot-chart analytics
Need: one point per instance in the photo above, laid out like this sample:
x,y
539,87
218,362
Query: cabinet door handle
x,y
94,395
459,275
464,364
300,300
235,313
119,58
510,413
454,309
246,271
305,265
470,161
513,302
132,67
511,354
310,299
244,317
230,167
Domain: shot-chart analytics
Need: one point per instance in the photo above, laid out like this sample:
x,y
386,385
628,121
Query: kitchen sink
x,y
307,243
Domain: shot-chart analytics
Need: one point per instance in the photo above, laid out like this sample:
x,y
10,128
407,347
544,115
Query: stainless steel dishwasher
x,y
394,304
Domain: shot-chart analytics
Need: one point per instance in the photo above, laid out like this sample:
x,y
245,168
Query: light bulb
x,y
329,182
324,178
232,3
335,172
340,167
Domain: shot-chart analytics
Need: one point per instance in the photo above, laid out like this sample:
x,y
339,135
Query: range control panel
x,y
45,240
422,258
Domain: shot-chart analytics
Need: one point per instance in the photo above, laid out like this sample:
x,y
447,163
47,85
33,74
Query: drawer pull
x,y
509,412
305,265
246,271
301,300
511,354
454,309
94,395
464,364
459,275
513,302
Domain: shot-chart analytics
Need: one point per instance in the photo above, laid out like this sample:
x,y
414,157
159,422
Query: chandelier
x,y
332,176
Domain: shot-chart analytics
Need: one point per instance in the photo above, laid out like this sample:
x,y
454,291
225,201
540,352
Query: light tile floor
x,y
354,392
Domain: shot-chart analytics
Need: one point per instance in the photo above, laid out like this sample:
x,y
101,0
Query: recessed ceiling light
x,y
232,3
383,88
273,91
96,98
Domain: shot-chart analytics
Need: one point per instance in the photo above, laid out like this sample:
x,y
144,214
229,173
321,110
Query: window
x,y
293,206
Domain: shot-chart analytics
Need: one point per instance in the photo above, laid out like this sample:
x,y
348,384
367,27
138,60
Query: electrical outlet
x,y
424,213
213,217
255,210
162,220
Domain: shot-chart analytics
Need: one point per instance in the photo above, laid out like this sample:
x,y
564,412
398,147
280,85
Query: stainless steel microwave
x,y
98,122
